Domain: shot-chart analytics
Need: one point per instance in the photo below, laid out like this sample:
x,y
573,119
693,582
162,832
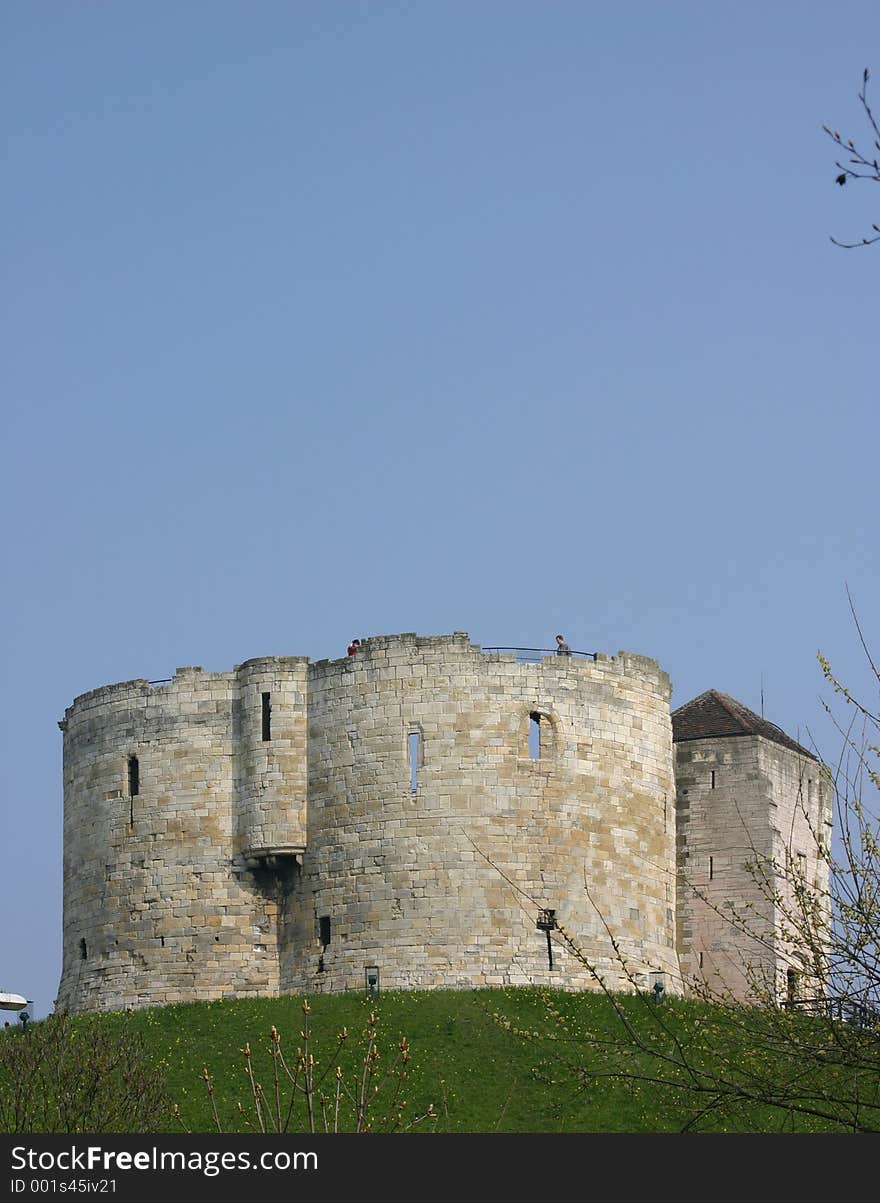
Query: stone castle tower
x,y
747,795
422,814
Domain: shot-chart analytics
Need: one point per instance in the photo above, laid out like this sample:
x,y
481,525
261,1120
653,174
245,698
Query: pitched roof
x,y
714,715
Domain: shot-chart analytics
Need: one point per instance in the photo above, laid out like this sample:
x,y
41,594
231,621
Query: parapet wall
x,y
245,860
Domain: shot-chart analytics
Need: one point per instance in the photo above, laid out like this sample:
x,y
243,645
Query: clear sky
x,y
335,319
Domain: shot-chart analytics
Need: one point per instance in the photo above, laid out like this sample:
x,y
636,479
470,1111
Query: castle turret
x,y
160,904
269,733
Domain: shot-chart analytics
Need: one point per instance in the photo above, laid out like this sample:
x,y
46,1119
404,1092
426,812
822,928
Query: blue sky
x,y
338,319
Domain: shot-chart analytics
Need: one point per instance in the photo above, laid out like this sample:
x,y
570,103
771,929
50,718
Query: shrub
x,y
78,1075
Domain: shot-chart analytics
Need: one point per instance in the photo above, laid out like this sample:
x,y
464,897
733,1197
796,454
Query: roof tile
x,y
714,715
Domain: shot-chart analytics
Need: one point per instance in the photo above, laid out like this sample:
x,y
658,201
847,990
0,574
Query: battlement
x,y
376,651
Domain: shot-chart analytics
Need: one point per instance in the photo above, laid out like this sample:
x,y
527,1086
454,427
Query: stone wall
x,y
269,755
745,802
157,905
441,885
251,860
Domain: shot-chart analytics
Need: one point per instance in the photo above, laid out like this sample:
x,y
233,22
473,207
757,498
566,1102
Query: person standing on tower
x,y
562,648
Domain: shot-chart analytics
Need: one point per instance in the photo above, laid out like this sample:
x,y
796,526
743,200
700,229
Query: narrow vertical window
x,y
711,867
324,930
267,717
83,951
701,960
134,786
713,779
534,736
134,777
414,745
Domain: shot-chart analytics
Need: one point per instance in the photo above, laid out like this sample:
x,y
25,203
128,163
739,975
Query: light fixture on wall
x,y
547,923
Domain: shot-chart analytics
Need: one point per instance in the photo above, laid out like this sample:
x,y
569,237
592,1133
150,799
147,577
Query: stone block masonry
x,y
754,814
285,825
429,811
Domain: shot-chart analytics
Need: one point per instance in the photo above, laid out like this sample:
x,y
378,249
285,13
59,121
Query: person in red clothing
x,y
354,647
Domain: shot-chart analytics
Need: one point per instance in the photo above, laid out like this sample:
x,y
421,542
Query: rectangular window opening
x,y
713,779
324,930
534,736
415,750
267,717
701,960
134,777
711,867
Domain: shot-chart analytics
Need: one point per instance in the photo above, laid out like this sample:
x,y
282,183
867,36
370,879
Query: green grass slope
x,y
486,1060
512,1060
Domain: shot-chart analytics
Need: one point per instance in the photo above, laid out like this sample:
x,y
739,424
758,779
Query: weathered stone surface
x,y
273,836
746,803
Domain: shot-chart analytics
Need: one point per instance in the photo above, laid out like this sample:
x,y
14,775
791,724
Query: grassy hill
x,y
512,1060
487,1061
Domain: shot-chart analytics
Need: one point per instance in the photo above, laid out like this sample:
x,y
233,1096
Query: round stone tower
x,y
457,798
181,826
425,814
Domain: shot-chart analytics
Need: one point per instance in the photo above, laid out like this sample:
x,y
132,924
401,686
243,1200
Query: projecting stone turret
x,y
270,769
